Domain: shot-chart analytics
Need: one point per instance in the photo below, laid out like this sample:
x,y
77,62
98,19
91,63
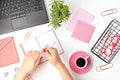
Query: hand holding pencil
x,y
53,56
45,49
32,60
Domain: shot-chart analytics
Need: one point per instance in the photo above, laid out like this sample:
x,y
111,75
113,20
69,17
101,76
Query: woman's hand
x,y
31,61
54,59
53,56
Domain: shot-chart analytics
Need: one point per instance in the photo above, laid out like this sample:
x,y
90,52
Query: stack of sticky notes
x,y
80,25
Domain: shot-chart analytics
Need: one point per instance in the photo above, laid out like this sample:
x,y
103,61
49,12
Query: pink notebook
x,y
83,31
82,15
8,53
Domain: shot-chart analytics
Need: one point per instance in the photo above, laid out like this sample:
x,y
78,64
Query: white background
x,y
70,45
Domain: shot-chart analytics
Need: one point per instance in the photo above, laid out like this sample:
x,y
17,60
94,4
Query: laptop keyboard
x,y
17,8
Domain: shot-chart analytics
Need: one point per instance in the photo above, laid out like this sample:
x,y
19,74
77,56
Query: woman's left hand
x,y
31,61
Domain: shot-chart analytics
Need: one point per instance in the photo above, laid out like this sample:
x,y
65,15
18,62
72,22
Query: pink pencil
x,y
44,50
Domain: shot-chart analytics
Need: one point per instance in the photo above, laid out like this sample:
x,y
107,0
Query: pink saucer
x,y
72,62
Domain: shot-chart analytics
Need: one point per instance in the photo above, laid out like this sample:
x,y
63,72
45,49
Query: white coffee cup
x,y
81,62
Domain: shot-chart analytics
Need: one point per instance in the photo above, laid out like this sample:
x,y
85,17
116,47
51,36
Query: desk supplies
x,y
38,43
28,33
8,53
73,59
108,44
82,15
104,67
44,50
83,31
109,12
80,26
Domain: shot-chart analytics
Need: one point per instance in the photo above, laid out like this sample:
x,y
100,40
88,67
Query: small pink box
x,y
83,31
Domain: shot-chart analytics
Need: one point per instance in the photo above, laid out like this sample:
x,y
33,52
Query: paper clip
x,y
28,34
104,67
109,12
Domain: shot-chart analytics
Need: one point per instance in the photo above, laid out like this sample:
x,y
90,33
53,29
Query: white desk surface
x,y
46,71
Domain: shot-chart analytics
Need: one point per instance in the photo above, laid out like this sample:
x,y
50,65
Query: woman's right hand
x,y
53,56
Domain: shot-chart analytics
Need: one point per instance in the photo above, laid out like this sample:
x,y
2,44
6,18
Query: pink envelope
x,y
83,31
8,53
82,15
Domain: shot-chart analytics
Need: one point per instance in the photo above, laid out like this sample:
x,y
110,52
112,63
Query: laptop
x,y
20,14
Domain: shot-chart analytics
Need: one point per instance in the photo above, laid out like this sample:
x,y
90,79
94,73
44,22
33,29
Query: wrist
x,y
59,65
21,75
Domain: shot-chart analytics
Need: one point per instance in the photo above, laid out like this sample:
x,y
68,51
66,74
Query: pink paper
x,y
8,53
82,15
83,31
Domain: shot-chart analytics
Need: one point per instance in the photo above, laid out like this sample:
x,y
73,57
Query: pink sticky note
x,y
83,31
82,15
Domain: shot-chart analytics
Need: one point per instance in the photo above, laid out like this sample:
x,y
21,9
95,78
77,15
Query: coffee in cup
x,y
81,62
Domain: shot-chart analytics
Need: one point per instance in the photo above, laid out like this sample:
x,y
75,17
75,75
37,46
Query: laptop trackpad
x,y
19,22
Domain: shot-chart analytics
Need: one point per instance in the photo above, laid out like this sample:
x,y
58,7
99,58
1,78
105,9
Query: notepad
x,y
82,15
83,31
39,42
8,53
